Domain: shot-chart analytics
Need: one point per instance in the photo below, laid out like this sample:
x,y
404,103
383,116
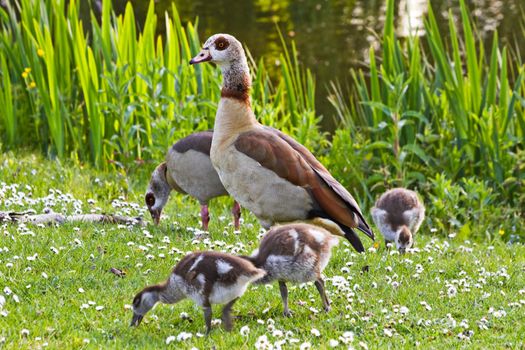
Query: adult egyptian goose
x,y
398,214
266,171
297,253
188,170
205,277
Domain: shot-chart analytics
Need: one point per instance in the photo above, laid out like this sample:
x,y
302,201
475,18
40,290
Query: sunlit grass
x,y
450,293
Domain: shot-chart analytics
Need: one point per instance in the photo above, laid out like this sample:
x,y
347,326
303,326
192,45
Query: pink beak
x,y
203,56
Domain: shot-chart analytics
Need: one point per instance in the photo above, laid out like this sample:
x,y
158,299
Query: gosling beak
x,y
155,215
402,250
135,321
203,56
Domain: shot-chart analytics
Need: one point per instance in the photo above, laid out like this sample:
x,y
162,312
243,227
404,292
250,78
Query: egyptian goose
x,y
205,277
266,171
398,214
297,253
188,170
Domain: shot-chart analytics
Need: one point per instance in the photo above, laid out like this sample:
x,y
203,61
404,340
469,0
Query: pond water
x,y
332,36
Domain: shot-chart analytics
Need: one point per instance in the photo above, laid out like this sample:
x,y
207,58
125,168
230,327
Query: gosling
x,y
205,277
398,214
297,253
188,170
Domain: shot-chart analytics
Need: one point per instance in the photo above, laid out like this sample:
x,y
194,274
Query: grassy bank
x,y
449,293
442,116
105,102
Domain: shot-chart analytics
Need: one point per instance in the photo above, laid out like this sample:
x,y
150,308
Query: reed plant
x,y
434,105
107,93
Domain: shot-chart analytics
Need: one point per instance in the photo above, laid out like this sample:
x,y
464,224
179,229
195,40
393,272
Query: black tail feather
x,y
353,238
363,227
350,234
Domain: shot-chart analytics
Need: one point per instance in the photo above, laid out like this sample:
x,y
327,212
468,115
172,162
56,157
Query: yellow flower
x,y
501,232
24,74
40,52
376,245
27,70
32,85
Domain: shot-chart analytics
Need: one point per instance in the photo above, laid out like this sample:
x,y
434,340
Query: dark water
x,y
332,36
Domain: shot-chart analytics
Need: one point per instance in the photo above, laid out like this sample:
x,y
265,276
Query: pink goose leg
x,y
205,216
236,211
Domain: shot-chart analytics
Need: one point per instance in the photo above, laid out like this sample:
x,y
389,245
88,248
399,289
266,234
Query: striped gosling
x,y
297,253
205,277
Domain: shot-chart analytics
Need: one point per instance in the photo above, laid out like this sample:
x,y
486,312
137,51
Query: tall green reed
x,y
108,93
434,105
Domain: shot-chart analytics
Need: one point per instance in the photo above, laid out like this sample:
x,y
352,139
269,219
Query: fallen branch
x,y
52,218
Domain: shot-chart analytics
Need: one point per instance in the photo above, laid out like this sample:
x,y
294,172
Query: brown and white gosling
x,y
205,277
398,214
297,253
188,170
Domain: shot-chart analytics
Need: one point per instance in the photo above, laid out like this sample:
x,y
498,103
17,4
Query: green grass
x,y
489,277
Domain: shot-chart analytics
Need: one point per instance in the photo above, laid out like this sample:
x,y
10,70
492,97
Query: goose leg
x,y
226,316
320,287
236,211
205,216
207,318
284,296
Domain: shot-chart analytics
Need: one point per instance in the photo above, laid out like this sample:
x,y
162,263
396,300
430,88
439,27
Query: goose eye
x,y
150,199
221,43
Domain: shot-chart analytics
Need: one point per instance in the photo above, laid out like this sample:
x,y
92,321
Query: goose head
x,y
158,192
404,239
222,49
143,302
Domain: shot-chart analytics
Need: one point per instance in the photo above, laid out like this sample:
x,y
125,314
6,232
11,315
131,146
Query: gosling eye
x,y
136,301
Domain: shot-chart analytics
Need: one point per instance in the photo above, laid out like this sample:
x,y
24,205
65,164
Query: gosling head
x,y
222,49
158,192
143,302
404,239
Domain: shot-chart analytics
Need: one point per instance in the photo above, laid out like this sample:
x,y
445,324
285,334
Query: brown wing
x,y
293,162
344,196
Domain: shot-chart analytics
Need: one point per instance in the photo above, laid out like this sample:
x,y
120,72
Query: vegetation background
x,y
443,114
102,99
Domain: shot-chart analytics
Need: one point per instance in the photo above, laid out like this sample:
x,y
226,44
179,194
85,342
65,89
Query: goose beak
x,y
155,215
135,321
203,56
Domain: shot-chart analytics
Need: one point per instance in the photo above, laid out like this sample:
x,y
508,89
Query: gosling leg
x,y
320,287
284,296
226,315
